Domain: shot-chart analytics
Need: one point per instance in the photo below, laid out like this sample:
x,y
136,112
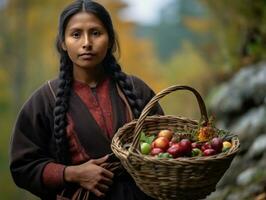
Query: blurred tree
x,y
240,28
13,59
187,67
5,95
28,39
175,25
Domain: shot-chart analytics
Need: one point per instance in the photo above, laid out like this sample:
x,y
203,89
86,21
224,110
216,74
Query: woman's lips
x,y
87,56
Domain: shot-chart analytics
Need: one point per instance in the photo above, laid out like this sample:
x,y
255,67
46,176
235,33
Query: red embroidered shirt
x,y
98,101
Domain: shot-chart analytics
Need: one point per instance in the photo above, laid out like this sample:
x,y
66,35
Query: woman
x,y
61,140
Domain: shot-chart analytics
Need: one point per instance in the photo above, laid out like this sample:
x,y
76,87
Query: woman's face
x,y
86,40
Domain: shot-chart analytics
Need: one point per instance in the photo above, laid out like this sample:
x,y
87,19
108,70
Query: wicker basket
x,y
183,178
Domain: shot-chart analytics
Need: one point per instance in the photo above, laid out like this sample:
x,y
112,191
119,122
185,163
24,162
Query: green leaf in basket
x,y
146,139
142,137
150,139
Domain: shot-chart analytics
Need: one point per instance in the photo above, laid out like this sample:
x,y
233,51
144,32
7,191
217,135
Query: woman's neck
x,y
89,76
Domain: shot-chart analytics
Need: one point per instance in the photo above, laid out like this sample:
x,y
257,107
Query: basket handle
x,y
155,99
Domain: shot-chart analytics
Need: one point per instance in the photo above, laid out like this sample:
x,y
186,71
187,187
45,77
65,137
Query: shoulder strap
x,y
51,89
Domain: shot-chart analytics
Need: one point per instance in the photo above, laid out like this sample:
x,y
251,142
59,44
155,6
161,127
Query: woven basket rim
x,y
220,156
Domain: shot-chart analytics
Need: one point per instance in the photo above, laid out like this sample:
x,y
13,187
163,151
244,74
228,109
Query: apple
x,y
217,144
175,150
145,148
177,145
156,151
205,146
166,133
162,143
182,148
209,152
185,146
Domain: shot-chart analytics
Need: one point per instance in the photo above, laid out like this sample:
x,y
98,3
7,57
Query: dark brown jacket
x,y
33,144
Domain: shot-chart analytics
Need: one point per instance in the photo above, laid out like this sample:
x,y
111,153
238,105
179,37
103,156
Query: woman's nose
x,y
87,43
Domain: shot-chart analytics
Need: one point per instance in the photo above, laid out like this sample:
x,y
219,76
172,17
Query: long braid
x,y
60,110
114,69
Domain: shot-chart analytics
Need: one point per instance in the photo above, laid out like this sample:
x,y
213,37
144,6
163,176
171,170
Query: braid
x,y
60,110
120,77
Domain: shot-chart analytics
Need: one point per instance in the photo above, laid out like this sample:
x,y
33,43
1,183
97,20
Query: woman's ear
x,y
63,45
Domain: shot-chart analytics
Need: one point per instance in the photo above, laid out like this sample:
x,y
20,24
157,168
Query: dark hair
x,y
66,72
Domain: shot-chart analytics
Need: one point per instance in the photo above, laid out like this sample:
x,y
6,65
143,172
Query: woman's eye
x,y
76,35
96,33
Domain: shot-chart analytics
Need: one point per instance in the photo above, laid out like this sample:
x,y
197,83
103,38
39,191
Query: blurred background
x,y
217,47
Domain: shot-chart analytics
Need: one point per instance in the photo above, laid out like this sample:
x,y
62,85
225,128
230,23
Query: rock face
x,y
240,107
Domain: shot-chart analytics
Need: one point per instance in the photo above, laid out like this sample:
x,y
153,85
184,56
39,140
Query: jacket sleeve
x,y
29,149
145,94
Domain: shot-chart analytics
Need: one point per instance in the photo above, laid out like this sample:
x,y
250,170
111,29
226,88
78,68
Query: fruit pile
x,y
170,144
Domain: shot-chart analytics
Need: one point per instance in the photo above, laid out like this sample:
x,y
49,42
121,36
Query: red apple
x,y
162,143
166,133
156,151
175,151
209,152
217,144
185,146
205,146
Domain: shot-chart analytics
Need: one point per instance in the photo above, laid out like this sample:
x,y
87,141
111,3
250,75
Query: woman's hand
x,y
91,176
